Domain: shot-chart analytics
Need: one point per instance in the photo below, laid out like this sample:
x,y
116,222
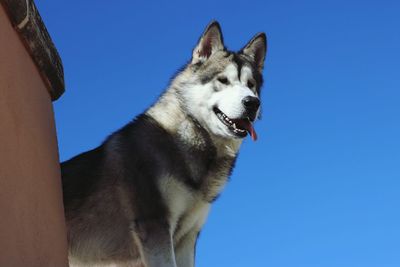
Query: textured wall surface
x,y
26,19
32,228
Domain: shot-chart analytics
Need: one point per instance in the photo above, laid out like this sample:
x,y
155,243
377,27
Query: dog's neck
x,y
170,114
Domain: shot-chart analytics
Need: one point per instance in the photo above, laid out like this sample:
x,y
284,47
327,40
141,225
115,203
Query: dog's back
x,y
100,188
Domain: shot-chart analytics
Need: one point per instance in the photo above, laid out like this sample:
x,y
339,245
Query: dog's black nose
x,y
251,103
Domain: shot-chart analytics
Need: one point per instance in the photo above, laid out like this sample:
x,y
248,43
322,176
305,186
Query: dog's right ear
x,y
210,42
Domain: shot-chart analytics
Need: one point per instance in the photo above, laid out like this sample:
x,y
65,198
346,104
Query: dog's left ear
x,y
257,49
210,42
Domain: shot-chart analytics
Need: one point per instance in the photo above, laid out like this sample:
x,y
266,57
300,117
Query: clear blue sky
x,y
321,186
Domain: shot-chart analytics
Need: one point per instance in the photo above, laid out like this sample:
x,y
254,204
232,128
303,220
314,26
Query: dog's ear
x,y
257,49
210,42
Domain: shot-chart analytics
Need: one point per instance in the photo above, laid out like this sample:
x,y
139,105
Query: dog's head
x,y
220,88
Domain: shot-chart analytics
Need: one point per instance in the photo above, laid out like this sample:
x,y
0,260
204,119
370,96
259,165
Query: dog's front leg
x,y
185,250
155,242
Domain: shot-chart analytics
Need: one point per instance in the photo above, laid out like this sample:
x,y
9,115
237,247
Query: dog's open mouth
x,y
239,127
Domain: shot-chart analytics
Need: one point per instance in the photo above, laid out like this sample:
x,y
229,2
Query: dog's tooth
x,y
234,126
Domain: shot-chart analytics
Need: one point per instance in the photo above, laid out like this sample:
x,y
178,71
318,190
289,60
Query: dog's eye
x,y
250,84
223,80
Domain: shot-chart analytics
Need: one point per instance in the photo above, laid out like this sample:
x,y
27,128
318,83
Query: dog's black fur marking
x,y
240,60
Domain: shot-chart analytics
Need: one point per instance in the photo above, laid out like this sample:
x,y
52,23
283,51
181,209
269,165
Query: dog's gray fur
x,y
142,197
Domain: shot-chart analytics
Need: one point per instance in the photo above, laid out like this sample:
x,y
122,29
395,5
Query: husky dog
x,y
142,197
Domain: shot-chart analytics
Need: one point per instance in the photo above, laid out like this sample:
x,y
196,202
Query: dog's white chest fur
x,y
187,211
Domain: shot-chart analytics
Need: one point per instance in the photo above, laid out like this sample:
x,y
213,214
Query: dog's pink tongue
x,y
250,129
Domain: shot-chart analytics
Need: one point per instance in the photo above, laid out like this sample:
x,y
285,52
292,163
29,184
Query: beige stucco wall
x,y
32,228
